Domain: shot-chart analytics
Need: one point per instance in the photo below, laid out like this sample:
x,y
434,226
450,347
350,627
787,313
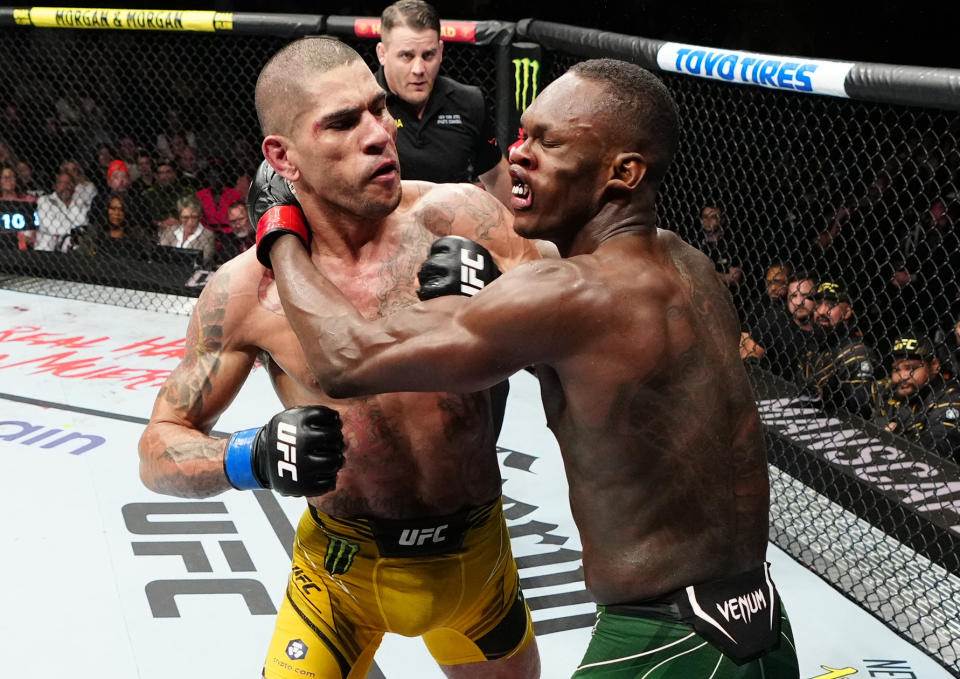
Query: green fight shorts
x,y
639,648
733,628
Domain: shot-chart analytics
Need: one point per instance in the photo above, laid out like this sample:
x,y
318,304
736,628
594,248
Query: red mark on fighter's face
x,y
557,169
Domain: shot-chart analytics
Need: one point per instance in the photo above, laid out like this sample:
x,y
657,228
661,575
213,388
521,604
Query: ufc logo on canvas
x,y
287,447
469,283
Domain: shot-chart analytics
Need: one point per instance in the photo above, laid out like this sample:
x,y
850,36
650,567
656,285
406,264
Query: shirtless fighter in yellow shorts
x,y
412,538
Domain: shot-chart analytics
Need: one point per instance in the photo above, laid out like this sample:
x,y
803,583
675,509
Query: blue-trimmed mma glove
x,y
455,266
275,210
298,452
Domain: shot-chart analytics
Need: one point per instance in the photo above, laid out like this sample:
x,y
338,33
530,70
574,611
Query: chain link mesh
x,y
861,196
77,100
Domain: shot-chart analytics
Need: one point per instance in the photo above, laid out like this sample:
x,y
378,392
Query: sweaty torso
x,y
408,454
659,432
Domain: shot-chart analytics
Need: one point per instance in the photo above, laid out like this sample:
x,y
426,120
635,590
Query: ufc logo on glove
x,y
470,284
287,447
451,255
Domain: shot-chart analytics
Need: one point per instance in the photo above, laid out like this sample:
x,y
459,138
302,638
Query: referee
x,y
443,131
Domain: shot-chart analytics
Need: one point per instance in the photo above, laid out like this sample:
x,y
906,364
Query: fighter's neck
x,y
344,236
610,225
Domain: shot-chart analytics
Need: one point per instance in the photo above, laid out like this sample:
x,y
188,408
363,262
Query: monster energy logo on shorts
x,y
526,79
340,555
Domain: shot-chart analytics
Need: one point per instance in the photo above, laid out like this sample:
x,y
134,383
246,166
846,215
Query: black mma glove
x,y
455,266
298,452
275,210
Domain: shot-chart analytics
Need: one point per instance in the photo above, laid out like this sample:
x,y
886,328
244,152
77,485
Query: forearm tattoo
x,y
188,471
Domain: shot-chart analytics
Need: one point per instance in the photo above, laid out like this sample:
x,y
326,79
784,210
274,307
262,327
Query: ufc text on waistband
x,y
429,536
420,537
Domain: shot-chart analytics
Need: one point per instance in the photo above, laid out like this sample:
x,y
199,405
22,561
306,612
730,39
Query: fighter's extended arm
x,y
444,344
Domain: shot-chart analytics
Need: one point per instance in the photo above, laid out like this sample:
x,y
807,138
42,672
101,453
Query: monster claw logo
x,y
526,78
340,555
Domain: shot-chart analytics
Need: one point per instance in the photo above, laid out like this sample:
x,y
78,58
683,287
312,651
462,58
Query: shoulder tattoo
x,y
479,209
193,378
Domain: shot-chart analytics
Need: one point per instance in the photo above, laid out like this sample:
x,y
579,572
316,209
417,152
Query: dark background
x,y
922,33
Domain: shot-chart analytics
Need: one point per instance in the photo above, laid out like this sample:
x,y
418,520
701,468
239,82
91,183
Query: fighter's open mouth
x,y
386,168
522,196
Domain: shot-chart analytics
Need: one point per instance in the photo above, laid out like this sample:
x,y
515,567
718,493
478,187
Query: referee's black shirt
x,y
454,141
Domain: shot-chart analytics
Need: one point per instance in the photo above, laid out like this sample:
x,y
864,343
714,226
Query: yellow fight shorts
x,y
450,579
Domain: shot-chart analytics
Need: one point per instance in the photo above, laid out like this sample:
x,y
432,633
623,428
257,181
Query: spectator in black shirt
x,y
161,198
443,131
719,249
189,167
27,181
775,292
146,175
240,236
118,184
839,370
722,251
920,404
785,331
117,235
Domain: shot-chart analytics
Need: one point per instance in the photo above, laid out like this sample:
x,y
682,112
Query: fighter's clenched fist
x,y
298,452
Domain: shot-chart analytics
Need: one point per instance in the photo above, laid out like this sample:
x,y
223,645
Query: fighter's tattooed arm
x,y
192,469
177,456
465,210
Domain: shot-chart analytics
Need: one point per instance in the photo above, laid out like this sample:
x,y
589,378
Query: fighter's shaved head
x,y
279,95
640,109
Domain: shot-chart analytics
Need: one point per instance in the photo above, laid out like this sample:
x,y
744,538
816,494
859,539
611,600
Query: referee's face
x,y
411,60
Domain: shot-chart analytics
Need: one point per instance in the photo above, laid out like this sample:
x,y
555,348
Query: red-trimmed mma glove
x,y
455,266
298,452
275,210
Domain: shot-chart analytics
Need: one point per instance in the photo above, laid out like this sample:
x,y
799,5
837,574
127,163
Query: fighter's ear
x,y
628,170
276,151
